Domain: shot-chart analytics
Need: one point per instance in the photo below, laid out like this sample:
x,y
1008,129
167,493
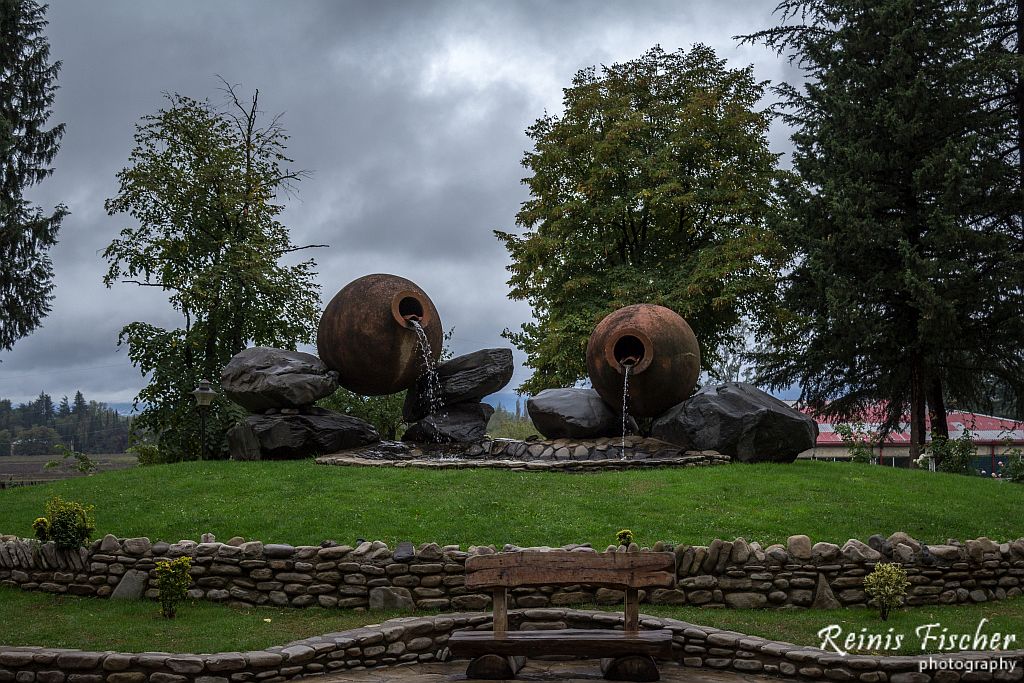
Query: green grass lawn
x,y
300,502
802,626
94,624
28,618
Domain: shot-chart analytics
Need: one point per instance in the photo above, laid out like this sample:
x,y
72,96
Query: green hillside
x,y
300,502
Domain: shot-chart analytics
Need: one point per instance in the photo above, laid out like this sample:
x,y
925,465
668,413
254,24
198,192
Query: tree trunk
x,y
1020,97
917,409
937,408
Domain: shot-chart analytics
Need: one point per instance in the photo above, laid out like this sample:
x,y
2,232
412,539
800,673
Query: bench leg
x,y
630,668
494,667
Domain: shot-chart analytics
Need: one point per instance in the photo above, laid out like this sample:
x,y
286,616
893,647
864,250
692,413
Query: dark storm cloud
x,y
410,117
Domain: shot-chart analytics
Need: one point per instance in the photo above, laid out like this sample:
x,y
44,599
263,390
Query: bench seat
x,y
583,642
626,655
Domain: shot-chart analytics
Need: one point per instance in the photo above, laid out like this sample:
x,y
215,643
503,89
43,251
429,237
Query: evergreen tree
x,y
27,88
79,407
908,282
1002,60
44,408
96,428
654,185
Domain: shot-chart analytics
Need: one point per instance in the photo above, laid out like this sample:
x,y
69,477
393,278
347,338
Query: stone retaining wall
x,y
411,640
724,574
561,455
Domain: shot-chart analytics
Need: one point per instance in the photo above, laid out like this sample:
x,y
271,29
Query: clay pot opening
x,y
631,349
628,350
410,308
407,307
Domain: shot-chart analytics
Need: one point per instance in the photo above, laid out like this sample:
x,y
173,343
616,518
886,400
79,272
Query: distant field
x,y
20,468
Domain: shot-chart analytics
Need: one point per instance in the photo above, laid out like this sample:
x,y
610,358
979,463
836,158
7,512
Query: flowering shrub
x,y
1014,468
66,522
172,581
955,456
41,529
887,585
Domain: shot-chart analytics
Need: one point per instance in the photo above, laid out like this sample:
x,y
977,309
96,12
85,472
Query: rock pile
x,y
261,379
573,414
734,419
280,388
463,381
739,420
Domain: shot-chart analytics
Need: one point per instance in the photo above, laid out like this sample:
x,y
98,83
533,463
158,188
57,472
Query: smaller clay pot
x,y
660,349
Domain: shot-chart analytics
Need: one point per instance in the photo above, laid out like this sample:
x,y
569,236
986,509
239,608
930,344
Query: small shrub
x,y
624,537
887,585
172,581
859,440
148,454
69,524
81,462
955,456
1014,468
41,529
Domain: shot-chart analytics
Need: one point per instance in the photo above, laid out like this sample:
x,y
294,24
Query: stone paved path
x,y
563,672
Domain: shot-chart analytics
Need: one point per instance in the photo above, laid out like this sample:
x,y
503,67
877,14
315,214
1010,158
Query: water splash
x,y
625,406
432,386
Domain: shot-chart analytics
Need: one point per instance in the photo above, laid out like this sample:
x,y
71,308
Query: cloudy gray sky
x,y
409,115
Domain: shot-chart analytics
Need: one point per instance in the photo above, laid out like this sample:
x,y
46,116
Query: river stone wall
x,y
411,640
724,574
563,455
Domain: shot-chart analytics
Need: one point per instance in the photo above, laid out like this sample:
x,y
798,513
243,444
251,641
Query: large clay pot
x,y
366,335
660,349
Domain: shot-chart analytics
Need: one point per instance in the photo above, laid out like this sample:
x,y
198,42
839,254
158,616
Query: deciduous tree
x,y
655,184
203,188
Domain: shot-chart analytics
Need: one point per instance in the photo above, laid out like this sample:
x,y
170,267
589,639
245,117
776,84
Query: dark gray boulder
x,y
574,414
463,379
317,431
391,598
404,552
738,420
132,586
460,423
261,378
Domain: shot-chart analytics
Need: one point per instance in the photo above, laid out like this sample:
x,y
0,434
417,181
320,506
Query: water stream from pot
x,y
627,365
432,382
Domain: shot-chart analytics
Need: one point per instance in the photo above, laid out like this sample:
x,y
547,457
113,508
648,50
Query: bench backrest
x,y
565,568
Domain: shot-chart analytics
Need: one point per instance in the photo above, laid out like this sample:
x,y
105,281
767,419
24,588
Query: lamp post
x,y
204,397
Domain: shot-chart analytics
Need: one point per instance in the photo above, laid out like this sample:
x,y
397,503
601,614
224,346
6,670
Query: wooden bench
x,y
627,655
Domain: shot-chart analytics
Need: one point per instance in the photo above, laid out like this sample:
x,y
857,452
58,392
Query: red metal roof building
x,y
992,436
